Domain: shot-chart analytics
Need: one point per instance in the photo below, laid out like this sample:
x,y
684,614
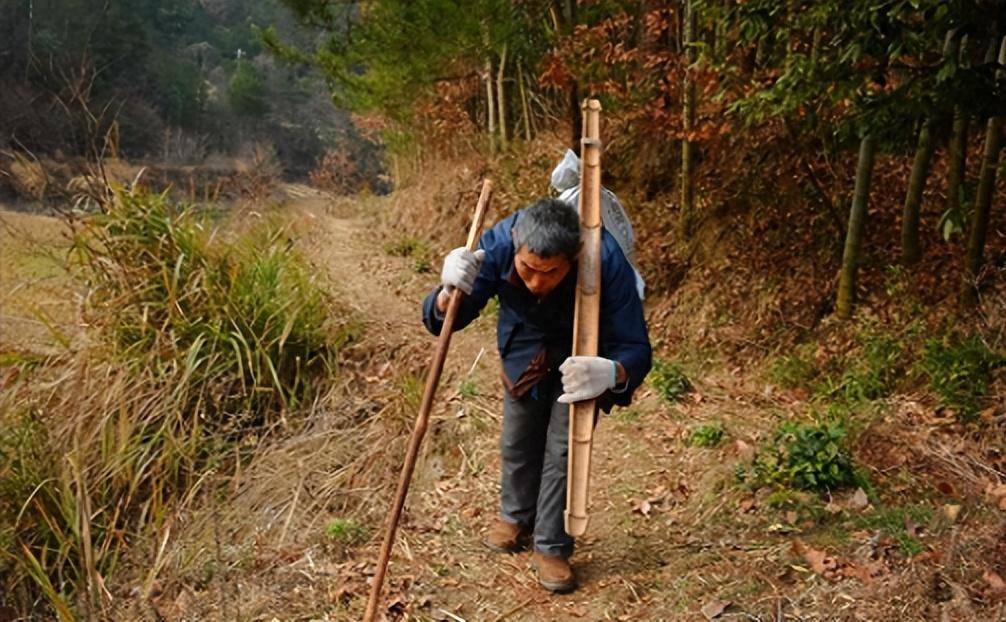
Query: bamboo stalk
x,y
586,319
983,200
526,112
851,255
501,96
422,419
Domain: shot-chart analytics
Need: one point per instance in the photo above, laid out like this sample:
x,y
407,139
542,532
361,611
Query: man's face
x,y
540,274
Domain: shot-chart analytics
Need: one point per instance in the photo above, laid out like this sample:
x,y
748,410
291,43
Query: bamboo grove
x,y
705,94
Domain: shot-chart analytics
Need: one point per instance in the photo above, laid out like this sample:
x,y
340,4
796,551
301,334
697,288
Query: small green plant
x,y
410,388
346,530
872,374
628,415
794,370
669,380
959,372
708,435
803,456
417,249
468,388
901,524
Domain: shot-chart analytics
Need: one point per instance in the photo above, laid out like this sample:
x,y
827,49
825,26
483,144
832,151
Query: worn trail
x,y
637,554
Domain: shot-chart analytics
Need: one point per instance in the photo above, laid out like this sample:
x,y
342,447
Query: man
x,y
528,261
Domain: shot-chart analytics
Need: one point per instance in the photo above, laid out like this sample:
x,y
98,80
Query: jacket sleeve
x,y
485,287
623,336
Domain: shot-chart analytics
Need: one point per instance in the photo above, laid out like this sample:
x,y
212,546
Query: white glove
x,y
461,266
586,377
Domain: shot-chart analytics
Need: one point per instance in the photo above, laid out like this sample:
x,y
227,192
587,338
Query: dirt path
x,y
672,537
641,558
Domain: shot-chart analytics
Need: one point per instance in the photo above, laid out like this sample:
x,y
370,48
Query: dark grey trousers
x,y
533,447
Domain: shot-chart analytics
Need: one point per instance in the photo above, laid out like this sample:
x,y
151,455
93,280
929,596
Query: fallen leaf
x,y
641,506
946,488
715,608
397,604
746,505
995,581
859,500
744,450
866,573
820,562
833,508
951,512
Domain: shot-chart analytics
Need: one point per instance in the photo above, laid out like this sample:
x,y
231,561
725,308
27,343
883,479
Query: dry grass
x,y
200,349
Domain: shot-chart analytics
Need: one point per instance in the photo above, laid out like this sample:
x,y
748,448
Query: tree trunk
x,y
525,109
957,152
910,249
854,236
490,104
687,146
983,200
501,96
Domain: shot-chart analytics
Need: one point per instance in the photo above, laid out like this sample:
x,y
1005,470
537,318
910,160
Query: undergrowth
x,y
708,435
198,346
669,380
959,371
418,250
803,456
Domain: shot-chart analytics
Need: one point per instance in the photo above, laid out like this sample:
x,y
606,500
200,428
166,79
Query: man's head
x,y
547,240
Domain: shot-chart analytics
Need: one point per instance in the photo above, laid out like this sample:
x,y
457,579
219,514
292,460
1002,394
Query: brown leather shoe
x,y
504,537
554,572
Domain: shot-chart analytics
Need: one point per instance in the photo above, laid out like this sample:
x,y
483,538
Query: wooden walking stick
x,y
586,318
419,429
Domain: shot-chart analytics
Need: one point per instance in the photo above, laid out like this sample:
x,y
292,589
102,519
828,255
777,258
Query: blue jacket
x,y
527,325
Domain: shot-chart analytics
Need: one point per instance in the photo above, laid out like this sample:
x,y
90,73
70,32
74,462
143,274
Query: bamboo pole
x,y
586,319
419,430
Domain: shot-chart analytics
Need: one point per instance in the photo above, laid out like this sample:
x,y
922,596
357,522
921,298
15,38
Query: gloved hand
x,y
586,377
461,266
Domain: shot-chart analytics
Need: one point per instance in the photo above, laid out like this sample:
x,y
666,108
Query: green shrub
x,y
803,456
346,530
708,435
669,380
959,372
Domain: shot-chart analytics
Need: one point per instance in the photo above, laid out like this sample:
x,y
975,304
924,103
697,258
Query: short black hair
x,y
548,227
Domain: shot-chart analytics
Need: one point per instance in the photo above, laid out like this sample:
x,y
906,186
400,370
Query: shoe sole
x,y
558,588
517,548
